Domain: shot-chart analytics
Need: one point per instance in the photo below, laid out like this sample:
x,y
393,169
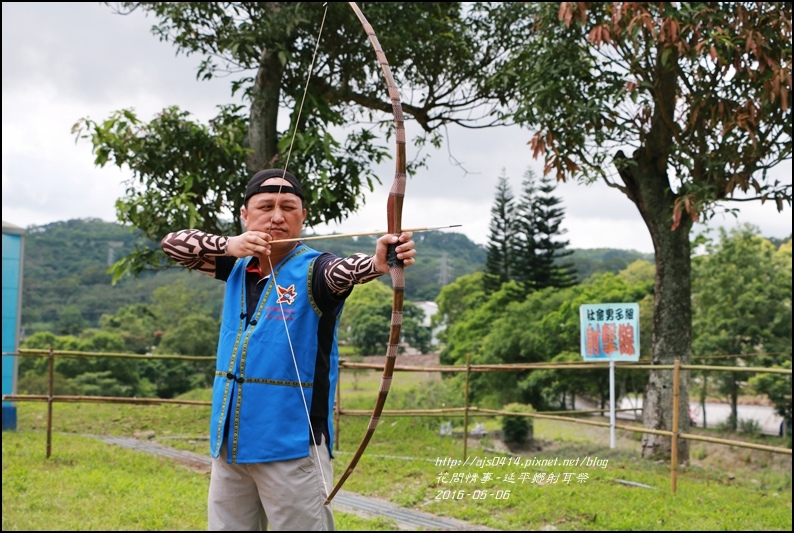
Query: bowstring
x,y
270,261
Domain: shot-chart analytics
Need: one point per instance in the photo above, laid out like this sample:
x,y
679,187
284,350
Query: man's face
x,y
280,214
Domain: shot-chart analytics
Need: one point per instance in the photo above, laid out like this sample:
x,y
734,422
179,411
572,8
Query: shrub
x,y
517,428
749,426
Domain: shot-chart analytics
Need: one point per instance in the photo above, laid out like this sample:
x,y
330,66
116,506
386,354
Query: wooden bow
x,y
394,209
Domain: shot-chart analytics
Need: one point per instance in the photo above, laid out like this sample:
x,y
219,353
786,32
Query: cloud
x,y
66,61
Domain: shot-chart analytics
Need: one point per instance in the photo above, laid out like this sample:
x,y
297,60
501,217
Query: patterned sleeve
x,y
342,273
195,249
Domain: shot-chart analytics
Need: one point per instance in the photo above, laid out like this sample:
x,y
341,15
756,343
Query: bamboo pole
x,y
412,412
466,410
50,395
564,366
407,368
738,444
99,399
70,353
674,443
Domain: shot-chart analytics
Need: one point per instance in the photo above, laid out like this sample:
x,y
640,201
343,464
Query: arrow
x,y
340,235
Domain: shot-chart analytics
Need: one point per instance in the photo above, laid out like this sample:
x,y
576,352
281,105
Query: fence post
x,y
50,394
674,443
466,410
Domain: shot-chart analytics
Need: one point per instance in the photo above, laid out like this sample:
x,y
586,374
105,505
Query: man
x,y
271,428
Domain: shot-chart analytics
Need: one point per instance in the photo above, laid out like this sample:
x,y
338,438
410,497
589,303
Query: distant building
x,y
430,309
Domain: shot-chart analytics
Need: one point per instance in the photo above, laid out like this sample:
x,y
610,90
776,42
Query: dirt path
x,y
344,501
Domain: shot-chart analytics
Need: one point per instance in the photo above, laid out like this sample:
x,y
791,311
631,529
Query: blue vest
x,y
256,385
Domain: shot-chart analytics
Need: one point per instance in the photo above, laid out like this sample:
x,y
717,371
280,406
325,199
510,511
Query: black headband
x,y
256,185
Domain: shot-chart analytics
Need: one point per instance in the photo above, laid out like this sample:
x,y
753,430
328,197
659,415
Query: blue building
x,y
13,254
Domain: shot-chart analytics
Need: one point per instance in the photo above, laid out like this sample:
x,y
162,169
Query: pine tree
x,y
551,271
538,253
525,252
499,260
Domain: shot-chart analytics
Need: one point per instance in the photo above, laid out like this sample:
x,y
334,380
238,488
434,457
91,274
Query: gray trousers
x,y
280,496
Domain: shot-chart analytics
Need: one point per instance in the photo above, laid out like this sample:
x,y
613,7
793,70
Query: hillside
x,y
65,270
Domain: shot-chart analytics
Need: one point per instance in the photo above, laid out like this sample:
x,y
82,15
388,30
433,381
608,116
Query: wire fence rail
x,y
466,411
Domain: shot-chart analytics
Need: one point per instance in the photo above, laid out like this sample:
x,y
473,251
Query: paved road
x,y
716,413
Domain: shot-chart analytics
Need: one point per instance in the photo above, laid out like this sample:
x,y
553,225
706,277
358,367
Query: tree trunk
x,y
263,123
648,187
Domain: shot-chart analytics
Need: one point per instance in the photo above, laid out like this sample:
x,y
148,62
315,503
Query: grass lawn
x,y
567,479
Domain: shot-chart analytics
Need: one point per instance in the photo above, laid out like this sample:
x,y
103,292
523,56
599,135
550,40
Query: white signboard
x,y
610,332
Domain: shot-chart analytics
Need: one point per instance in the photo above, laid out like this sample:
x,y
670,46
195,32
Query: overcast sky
x,y
66,61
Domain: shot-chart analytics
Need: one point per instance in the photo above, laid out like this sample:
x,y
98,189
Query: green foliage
x,y
84,246
87,245
749,425
172,377
101,376
136,324
38,383
591,79
742,304
183,174
367,316
330,143
539,328
585,77
517,428
539,254
200,293
591,261
499,261
524,244
413,331
559,388
777,387
195,334
70,320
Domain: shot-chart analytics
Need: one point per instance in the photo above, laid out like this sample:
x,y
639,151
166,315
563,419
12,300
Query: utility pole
x,y
112,245
443,270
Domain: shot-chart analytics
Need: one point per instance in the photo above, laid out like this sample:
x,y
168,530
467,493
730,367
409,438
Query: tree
x,y
545,326
777,387
186,174
525,255
700,94
741,309
171,302
101,375
551,269
70,320
136,324
538,253
499,259
365,320
195,335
